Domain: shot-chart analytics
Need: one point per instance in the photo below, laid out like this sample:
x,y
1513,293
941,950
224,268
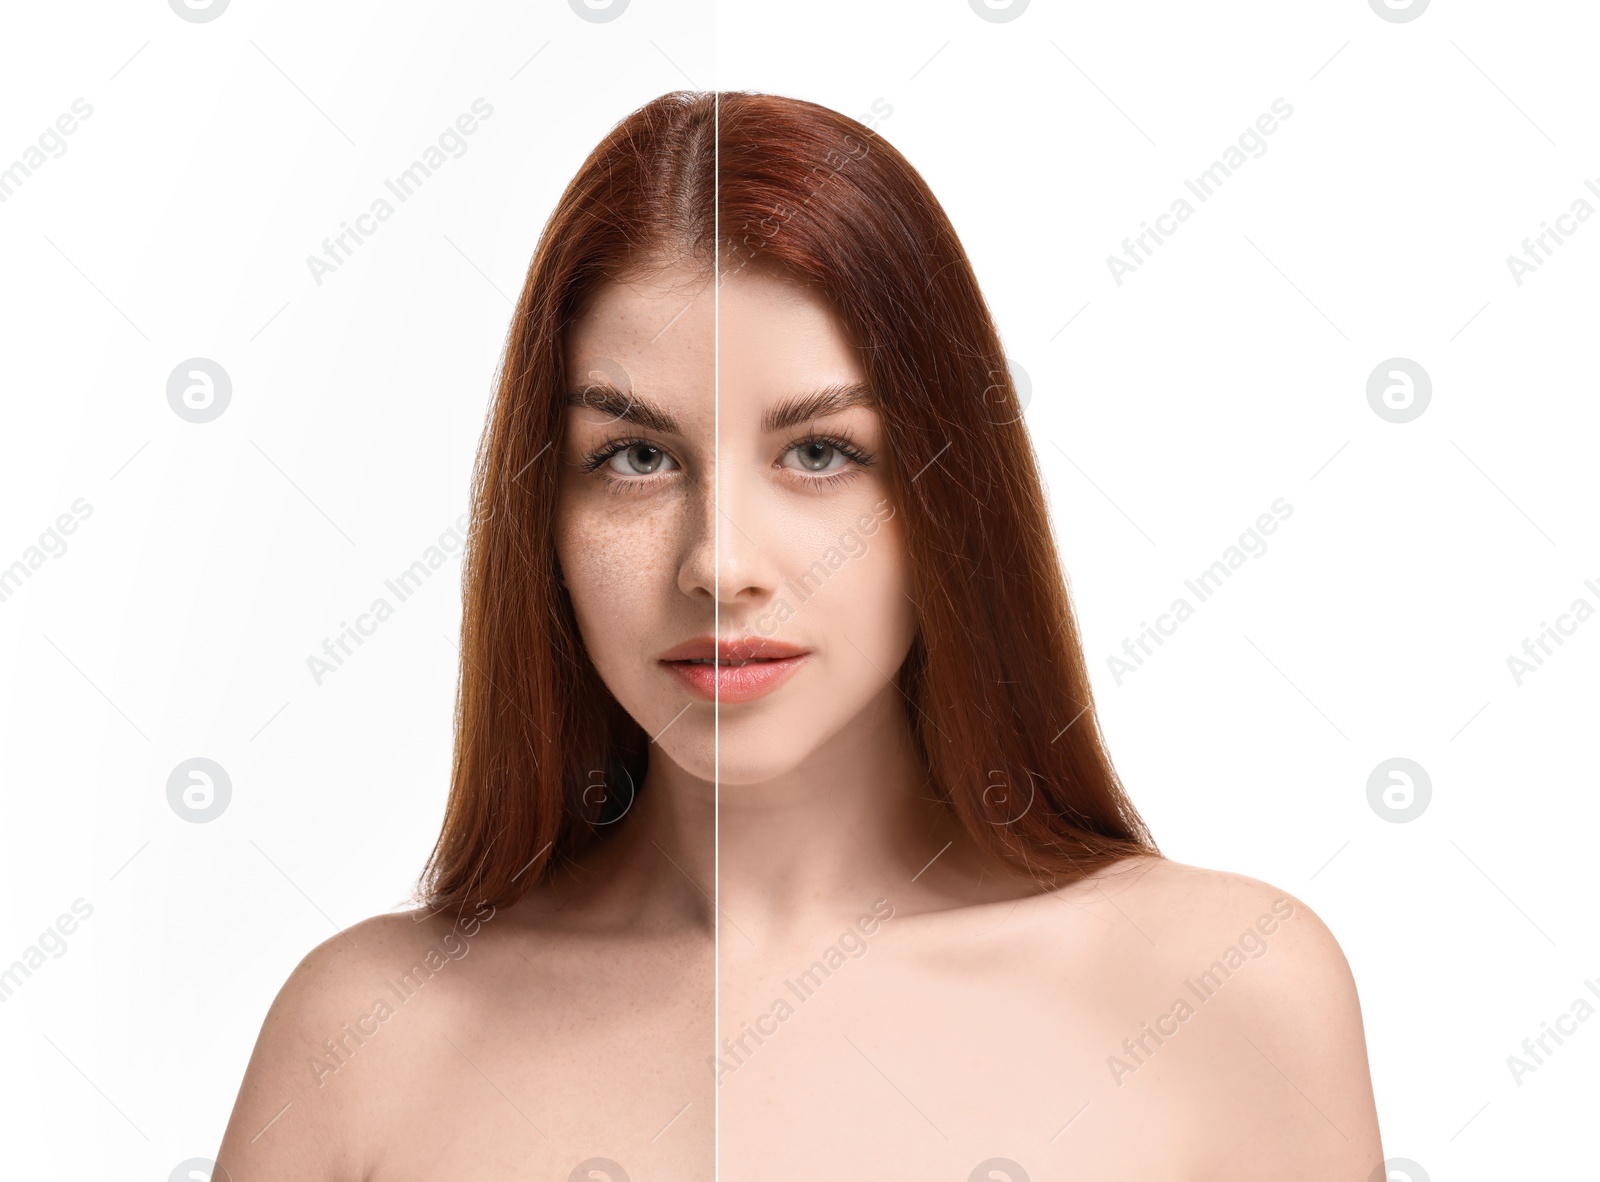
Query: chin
x,y
743,762
734,770
694,751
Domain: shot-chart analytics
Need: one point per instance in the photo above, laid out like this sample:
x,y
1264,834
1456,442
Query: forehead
x,y
777,326
755,338
658,331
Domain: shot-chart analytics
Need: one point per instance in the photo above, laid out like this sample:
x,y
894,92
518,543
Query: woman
x,y
782,842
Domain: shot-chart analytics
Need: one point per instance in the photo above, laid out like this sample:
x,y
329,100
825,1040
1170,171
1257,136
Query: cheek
x,y
618,567
862,602
884,593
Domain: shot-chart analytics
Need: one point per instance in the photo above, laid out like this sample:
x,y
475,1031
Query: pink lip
x,y
756,667
735,683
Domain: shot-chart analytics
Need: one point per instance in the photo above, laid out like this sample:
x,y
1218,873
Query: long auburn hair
x,y
996,688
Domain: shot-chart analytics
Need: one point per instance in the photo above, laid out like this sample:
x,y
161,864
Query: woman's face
x,y
719,484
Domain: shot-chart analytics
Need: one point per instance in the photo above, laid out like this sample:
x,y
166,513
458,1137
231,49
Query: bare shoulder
x,y
1190,908
304,1110
1226,931
1233,994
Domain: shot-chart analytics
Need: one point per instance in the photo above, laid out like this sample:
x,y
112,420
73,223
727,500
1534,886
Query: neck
x,y
821,843
786,857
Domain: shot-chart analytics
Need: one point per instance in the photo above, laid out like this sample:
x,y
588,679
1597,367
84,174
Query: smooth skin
x,y
893,1003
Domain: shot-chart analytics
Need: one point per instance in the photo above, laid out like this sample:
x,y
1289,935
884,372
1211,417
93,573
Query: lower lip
x,y
735,683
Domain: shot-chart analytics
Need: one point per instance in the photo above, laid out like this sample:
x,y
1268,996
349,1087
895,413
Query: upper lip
x,y
738,648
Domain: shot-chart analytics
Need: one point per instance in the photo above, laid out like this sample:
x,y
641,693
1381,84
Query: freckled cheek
x,y
619,566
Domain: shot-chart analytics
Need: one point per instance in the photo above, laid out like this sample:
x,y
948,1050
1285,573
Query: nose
x,y
729,560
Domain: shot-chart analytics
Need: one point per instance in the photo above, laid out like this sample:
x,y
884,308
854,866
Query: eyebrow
x,y
608,400
819,404
791,412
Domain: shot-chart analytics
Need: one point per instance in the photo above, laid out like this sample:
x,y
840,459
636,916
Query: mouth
x,y
728,671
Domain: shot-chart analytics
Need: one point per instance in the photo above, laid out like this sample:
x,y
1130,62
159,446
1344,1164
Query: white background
x,y
1168,412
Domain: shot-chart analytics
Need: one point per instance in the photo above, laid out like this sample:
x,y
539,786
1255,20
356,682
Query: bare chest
x,y
905,1065
591,1074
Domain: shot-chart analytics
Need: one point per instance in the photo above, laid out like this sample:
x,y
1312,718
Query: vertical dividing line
x,y
716,599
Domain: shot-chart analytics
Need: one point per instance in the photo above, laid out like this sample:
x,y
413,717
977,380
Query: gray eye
x,y
817,456
642,459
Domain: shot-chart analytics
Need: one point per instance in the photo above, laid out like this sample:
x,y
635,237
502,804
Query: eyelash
x,y
841,441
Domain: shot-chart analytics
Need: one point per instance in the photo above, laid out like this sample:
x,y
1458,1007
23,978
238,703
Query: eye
x,y
631,465
639,459
828,458
818,455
